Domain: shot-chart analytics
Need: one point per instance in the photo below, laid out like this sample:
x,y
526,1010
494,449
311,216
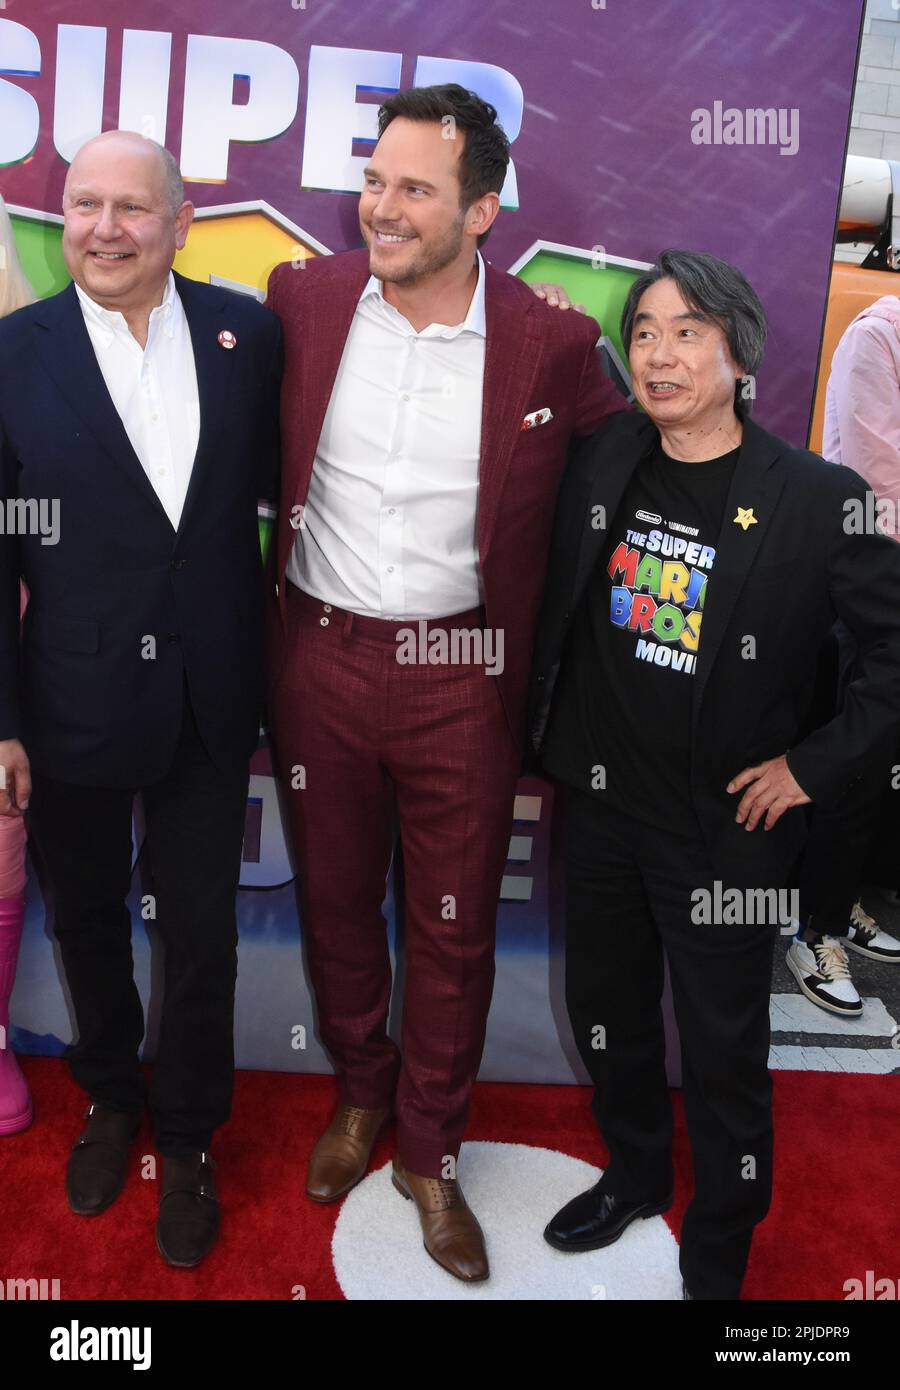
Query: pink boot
x,y
15,1101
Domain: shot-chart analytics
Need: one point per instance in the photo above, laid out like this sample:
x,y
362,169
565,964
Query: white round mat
x,y
514,1190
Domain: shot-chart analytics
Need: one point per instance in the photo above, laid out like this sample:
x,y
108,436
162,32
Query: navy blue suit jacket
x,y
123,605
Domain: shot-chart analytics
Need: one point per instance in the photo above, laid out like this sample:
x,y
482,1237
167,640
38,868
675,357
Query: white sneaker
x,y
823,974
866,937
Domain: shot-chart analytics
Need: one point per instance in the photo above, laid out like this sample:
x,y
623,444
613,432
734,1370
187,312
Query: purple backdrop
x,y
605,155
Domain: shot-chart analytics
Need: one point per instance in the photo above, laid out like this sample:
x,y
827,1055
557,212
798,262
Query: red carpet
x,y
837,1137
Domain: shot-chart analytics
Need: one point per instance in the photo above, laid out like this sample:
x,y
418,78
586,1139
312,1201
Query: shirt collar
x,y
474,322
109,322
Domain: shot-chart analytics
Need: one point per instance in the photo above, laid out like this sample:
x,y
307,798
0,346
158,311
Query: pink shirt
x,y
862,404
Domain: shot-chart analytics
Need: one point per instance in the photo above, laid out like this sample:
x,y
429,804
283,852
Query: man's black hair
x,y
717,289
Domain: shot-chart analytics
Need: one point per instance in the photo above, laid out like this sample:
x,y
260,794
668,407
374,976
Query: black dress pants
x,y
856,842
629,897
195,827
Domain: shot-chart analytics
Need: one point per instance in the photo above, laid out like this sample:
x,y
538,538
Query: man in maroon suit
x,y
427,407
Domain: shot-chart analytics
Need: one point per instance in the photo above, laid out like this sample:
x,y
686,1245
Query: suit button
x,y
540,680
323,622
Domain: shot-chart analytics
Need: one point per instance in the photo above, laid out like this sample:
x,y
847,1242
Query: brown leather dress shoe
x,y
341,1156
188,1221
98,1163
450,1228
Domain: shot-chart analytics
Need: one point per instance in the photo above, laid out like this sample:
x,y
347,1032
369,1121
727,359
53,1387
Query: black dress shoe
x,y
188,1221
597,1218
98,1163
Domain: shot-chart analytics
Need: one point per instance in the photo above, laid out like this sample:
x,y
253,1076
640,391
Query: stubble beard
x,y
429,262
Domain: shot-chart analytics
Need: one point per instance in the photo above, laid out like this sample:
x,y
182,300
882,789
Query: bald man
x,y
141,408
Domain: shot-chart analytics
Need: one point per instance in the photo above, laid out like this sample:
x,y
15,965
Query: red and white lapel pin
x,y
227,339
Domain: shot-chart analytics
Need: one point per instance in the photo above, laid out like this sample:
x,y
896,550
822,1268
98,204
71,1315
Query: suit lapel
x,y
610,480
68,356
324,324
327,329
512,361
755,486
207,316
65,349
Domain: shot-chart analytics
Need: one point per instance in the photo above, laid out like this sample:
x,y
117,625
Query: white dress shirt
x,y
154,389
388,529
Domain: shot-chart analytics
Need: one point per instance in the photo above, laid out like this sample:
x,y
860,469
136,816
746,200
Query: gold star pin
x,y
745,517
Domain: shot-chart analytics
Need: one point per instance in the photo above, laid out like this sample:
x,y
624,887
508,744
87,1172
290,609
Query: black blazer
x,y
84,691
783,581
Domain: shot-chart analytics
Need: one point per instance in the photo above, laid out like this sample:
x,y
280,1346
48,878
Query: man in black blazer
x,y
697,564
142,406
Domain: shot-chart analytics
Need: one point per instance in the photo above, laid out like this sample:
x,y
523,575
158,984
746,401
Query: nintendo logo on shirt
x,y
649,516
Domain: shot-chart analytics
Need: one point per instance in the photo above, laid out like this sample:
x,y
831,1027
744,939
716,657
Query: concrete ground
x,y
805,1036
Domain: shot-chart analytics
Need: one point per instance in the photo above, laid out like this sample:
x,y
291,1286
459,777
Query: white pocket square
x,y
537,417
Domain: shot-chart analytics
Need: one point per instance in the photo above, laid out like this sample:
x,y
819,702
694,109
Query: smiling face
x,y
682,369
409,210
121,232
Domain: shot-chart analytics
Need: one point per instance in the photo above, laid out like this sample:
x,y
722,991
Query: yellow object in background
x,y
243,246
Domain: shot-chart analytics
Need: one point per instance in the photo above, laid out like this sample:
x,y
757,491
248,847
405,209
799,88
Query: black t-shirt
x,y
621,723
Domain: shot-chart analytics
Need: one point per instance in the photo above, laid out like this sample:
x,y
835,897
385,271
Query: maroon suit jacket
x,y
535,356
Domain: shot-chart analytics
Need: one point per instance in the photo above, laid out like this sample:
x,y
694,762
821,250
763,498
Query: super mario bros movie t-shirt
x,y
622,718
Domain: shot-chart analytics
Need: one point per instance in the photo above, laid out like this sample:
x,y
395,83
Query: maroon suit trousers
x,y
364,743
